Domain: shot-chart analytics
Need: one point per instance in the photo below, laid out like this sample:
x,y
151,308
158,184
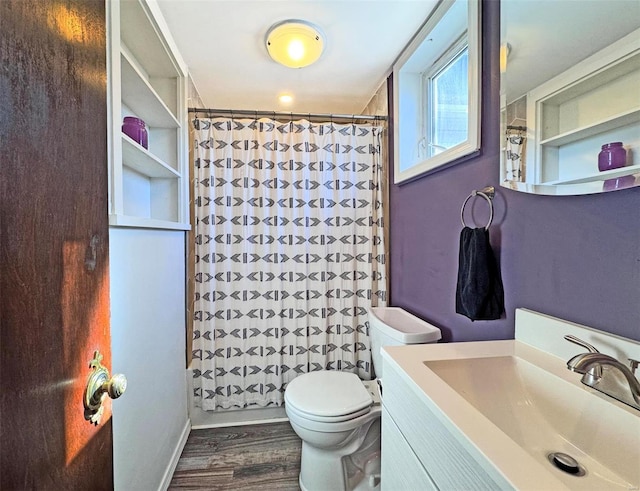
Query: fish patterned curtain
x,y
514,161
289,254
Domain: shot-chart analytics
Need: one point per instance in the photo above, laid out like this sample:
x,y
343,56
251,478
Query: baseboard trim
x,y
173,463
239,423
234,417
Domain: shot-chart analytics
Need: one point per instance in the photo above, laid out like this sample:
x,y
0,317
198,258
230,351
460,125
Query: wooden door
x,y
54,282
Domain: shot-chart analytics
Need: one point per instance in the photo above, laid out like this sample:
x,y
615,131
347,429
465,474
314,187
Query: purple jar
x,y
135,129
612,156
618,183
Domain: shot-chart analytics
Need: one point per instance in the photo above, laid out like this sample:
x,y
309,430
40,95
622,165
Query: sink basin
x,y
545,412
507,405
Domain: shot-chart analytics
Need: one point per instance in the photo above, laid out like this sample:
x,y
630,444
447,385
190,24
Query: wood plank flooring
x,y
252,457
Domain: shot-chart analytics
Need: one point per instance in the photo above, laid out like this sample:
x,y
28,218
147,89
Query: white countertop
x,y
515,463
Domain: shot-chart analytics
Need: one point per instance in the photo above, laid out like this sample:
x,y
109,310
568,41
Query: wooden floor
x,y
264,457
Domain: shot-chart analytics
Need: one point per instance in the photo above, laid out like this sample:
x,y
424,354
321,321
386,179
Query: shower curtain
x,y
515,153
289,254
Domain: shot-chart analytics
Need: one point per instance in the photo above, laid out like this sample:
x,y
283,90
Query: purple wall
x,y
575,257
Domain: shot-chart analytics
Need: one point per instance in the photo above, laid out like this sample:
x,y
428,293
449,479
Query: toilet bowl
x,y
337,415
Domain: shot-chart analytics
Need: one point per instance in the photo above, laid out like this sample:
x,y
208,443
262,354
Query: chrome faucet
x,y
608,380
595,372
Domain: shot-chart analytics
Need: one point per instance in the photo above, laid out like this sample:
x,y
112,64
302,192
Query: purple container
x,y
618,183
135,129
612,156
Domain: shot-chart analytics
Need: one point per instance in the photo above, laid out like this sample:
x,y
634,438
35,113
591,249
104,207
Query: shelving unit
x,y
147,80
620,120
600,176
574,114
141,160
141,97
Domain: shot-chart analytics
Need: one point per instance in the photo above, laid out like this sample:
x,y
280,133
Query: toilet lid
x,y
327,393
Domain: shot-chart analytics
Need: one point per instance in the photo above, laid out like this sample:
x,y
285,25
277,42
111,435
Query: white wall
x,y
150,421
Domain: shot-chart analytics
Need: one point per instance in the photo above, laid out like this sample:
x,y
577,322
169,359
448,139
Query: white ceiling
x,y
222,42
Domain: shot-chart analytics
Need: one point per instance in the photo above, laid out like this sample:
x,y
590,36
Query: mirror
x,y
570,86
437,91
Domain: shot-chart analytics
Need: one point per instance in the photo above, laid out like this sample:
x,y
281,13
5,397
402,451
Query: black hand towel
x,y
479,293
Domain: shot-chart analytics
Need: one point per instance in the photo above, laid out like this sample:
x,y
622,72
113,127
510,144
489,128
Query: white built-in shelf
x,y
141,98
601,75
149,187
142,34
618,121
594,102
141,160
600,176
144,222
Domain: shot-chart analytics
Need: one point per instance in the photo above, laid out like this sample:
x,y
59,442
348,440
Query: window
x,y
446,85
436,83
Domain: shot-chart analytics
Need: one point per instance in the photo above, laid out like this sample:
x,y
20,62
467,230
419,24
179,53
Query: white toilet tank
x,y
393,326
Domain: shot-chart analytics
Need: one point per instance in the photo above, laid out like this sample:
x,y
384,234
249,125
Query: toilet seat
x,y
328,396
292,409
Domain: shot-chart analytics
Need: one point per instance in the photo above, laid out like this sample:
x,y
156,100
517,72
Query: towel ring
x,y
487,193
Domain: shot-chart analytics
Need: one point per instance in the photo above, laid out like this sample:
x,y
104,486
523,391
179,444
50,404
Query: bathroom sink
x,y
543,412
509,405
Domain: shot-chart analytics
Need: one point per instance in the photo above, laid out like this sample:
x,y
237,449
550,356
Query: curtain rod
x,y
283,115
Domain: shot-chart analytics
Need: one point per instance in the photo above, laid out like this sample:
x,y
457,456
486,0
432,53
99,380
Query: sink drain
x,y
566,463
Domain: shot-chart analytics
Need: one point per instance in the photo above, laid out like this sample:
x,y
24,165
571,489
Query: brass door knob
x,y
98,385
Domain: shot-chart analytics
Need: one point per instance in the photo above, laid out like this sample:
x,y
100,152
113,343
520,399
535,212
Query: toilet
x,y
337,415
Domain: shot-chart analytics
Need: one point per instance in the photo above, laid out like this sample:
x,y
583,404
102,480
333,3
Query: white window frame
x,y
442,29
450,56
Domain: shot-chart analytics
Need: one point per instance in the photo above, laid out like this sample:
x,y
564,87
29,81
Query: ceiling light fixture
x,y
295,43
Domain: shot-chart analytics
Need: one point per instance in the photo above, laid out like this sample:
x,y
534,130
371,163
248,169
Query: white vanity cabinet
x,y
593,103
401,468
147,80
421,449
